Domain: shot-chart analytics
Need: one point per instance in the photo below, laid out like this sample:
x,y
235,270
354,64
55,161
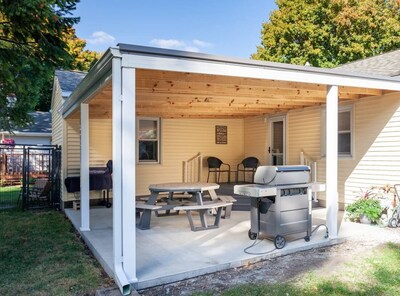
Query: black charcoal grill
x,y
280,202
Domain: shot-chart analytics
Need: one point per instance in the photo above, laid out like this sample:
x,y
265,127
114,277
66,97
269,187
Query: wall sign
x,y
221,134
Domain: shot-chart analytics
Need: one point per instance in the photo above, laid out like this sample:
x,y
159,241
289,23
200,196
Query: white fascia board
x,y
98,76
293,74
27,134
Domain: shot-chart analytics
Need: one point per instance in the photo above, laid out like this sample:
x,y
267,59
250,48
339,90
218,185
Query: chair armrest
x,y
229,167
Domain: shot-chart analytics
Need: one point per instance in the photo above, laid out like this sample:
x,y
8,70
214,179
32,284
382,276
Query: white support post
x,y
129,172
332,159
85,196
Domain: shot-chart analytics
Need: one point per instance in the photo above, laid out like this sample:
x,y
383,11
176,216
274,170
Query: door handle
x,y
269,150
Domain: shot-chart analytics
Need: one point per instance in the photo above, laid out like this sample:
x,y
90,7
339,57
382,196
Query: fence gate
x,y
29,176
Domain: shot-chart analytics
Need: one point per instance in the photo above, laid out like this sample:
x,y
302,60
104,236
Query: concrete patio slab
x,y
170,251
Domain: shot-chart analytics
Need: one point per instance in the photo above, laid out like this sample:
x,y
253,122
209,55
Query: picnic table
x,y
196,190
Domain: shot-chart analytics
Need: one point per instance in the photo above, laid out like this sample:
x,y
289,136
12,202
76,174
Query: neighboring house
x,y
37,133
167,104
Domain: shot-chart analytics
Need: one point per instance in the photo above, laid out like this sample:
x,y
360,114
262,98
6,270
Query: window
x,y
345,132
148,140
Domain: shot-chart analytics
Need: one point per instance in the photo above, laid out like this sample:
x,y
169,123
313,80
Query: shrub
x,y
371,208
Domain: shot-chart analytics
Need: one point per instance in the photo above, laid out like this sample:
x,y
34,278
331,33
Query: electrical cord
x,y
257,240
318,226
254,244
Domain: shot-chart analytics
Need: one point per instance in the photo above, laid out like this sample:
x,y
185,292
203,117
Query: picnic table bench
x,y
203,210
181,192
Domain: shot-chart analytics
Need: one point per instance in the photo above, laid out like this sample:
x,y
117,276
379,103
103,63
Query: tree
x,y
327,33
31,45
82,59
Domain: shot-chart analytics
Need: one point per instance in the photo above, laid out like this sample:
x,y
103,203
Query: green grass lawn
x,y
378,274
41,255
9,195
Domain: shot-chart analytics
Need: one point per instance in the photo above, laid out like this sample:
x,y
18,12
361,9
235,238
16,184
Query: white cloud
x,y
201,43
101,37
193,45
168,43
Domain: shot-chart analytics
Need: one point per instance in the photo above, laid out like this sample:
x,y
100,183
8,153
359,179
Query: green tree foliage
x,y
82,59
327,33
31,45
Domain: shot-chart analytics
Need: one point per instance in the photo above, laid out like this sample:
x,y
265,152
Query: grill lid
x,y
282,175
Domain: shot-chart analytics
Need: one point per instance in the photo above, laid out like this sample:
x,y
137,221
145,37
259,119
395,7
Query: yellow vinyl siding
x,y
100,142
377,149
72,153
256,139
304,134
376,145
181,139
57,120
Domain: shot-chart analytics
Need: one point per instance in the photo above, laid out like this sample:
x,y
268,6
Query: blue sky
x,y
222,27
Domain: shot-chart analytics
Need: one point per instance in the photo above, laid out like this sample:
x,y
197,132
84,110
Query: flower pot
x,y
364,220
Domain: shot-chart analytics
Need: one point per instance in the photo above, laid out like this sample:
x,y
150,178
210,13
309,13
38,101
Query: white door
x,y
277,143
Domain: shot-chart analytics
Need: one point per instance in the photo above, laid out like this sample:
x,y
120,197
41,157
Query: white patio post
x,y
124,181
85,202
332,159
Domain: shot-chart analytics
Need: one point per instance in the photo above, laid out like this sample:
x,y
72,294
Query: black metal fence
x,y
29,176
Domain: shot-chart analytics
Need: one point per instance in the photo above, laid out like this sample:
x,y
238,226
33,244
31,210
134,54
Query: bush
x,y
371,208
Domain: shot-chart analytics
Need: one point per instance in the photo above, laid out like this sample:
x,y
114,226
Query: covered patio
x,y
133,81
170,252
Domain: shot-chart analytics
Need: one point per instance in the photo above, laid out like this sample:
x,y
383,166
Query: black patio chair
x,y
110,166
248,165
216,166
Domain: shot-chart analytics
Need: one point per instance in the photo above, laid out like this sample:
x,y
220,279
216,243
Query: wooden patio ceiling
x,y
185,95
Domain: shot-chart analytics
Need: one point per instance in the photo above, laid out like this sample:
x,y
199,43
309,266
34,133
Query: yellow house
x,y
150,110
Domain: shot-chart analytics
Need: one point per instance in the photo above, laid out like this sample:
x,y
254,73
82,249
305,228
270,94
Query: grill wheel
x,y
280,242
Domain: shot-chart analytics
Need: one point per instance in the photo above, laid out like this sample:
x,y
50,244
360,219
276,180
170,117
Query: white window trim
x,y
158,120
346,108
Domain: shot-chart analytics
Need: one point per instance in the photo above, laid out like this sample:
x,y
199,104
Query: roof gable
x,y
69,80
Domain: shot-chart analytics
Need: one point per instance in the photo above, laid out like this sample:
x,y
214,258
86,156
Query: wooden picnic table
x,y
196,190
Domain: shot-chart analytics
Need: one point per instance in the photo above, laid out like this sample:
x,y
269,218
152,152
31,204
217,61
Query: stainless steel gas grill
x,y
280,202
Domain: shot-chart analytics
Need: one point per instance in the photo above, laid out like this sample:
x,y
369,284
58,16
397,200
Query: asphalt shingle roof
x,y
41,123
69,80
386,64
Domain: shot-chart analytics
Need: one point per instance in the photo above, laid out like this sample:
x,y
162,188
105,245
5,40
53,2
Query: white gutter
x,y
98,76
29,134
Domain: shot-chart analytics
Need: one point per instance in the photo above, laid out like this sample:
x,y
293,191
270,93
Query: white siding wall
x,y
32,140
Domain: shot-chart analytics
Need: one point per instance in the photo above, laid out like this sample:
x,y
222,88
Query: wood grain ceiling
x,y
185,95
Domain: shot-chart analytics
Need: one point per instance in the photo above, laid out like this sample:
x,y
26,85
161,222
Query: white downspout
x,y
84,170
119,273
